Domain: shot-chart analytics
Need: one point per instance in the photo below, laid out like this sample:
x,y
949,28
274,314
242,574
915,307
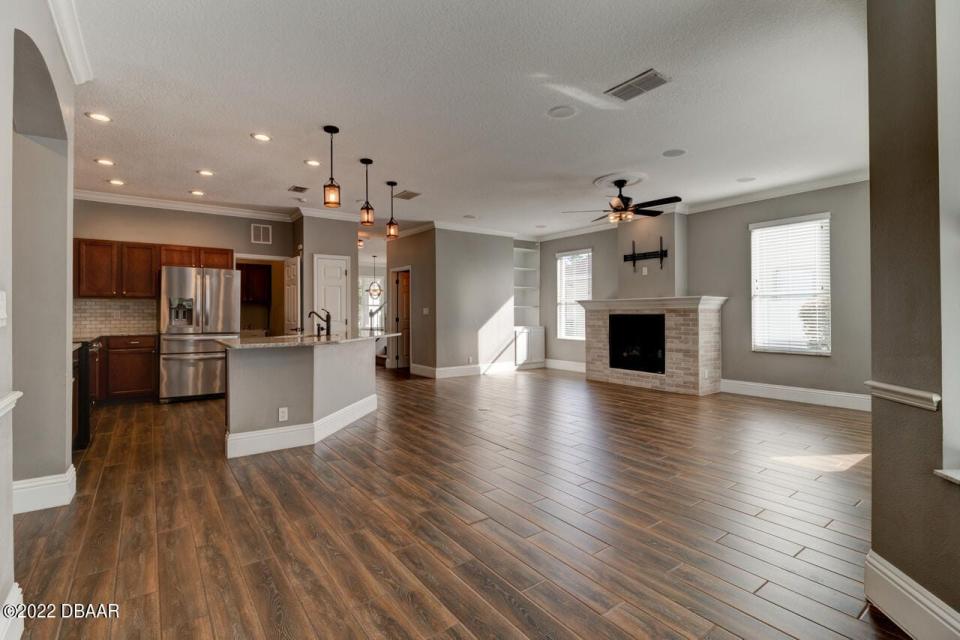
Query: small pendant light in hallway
x,y
331,190
366,211
393,227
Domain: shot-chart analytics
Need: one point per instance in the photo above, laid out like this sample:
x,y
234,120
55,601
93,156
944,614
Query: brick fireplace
x,y
689,342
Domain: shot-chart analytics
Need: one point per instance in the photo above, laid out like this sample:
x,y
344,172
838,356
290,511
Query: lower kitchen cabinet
x,y
131,367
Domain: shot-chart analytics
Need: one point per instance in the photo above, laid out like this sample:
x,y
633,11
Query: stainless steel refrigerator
x,y
197,306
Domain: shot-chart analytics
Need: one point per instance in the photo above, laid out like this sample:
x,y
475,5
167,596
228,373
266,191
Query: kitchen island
x,y
293,391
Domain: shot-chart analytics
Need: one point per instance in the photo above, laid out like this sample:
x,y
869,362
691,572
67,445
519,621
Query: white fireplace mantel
x,y
702,303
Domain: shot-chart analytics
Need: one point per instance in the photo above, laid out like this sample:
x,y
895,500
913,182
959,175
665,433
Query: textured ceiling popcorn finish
x,y
451,100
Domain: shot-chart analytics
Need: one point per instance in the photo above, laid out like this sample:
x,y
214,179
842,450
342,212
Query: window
x,y
574,282
372,310
790,276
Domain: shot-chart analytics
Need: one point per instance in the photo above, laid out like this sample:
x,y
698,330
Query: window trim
x,y
779,222
556,259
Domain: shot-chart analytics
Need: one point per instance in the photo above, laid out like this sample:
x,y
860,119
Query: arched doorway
x,y
40,296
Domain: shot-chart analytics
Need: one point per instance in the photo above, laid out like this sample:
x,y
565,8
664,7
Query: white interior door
x,y
330,284
291,296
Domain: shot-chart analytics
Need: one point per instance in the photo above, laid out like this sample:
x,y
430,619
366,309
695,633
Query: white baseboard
x,y
12,628
915,610
250,443
841,399
45,492
461,370
567,365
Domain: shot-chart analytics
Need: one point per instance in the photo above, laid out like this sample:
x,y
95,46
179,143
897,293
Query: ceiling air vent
x,y
298,189
646,81
406,195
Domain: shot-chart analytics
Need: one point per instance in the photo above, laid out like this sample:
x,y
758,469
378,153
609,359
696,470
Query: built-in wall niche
x,y
526,284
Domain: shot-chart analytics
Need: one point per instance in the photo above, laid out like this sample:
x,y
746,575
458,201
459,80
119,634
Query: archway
x,y
40,296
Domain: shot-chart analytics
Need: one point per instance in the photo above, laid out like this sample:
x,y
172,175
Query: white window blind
x,y
574,282
790,271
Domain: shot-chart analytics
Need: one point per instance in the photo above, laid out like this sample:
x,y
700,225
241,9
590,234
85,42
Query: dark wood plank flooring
x,y
530,505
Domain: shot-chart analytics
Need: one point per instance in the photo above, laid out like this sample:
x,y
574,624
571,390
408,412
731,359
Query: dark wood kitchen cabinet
x,y
131,367
179,256
96,268
255,283
139,268
216,258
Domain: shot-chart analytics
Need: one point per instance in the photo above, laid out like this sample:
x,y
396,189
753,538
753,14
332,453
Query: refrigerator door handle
x,y
206,300
198,310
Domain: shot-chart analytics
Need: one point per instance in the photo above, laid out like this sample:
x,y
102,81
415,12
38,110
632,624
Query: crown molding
x,y
64,14
177,205
463,228
777,192
579,231
327,214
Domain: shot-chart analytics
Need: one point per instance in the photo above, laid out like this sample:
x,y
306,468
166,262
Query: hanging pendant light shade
x,y
393,227
331,190
366,211
359,243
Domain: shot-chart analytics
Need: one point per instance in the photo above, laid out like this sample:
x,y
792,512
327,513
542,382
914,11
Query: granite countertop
x,y
273,342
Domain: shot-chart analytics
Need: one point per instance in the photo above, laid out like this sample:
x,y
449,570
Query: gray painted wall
x,y
166,226
418,251
43,371
646,232
33,18
329,237
474,316
916,515
718,263
605,274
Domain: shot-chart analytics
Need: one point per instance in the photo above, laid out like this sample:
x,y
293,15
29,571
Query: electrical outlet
x,y
706,374
469,359
283,415
644,271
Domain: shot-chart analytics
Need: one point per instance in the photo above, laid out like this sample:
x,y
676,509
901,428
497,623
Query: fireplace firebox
x,y
637,342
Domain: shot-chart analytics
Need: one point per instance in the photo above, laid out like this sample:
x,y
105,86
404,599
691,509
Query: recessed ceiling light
x,y
746,179
99,117
674,153
205,172
260,137
116,182
107,162
562,112
470,216
312,162
197,192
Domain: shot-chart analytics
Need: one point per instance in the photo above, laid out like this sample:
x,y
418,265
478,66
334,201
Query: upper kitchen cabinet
x,y
178,256
216,258
96,267
139,265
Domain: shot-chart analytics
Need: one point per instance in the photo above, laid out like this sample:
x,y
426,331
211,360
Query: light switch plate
x,y
3,308
426,311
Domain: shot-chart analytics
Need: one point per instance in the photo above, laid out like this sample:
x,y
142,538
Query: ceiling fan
x,y
622,208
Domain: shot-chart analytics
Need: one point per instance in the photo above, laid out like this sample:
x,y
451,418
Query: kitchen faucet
x,y
325,319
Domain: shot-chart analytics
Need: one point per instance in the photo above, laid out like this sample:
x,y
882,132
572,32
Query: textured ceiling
x,y
450,99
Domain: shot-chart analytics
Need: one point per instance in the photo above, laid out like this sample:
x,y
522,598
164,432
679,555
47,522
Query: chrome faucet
x,y
325,319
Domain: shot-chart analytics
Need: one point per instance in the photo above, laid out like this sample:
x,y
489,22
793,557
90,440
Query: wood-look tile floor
x,y
529,505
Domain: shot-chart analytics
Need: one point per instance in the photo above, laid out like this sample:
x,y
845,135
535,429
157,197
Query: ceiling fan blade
x,y
652,213
585,211
657,203
603,217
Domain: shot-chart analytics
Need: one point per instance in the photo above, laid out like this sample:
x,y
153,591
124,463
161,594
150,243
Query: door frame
x,y
317,257
392,306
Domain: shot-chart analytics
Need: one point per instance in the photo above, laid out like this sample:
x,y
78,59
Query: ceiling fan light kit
x,y
622,208
331,190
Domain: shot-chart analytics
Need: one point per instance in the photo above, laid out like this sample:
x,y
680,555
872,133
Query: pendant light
x,y
366,211
331,190
393,227
375,290
359,243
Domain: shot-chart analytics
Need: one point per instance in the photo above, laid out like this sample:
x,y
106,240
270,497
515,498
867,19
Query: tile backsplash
x,y
94,317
